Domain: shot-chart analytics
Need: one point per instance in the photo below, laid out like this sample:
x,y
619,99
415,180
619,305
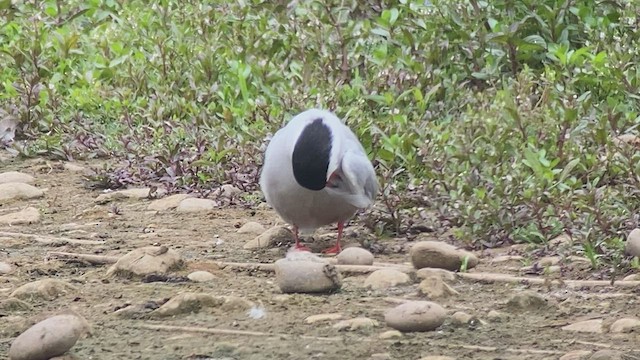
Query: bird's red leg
x,y
336,249
298,245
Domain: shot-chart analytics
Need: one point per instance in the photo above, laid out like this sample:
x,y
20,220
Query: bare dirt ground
x,y
205,238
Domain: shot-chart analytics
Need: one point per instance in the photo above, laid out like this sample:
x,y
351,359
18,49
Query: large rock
x,y
48,338
15,177
306,276
28,215
18,191
145,261
45,289
435,254
632,246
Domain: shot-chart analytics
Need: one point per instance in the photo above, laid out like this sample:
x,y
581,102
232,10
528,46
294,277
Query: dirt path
x,y
69,210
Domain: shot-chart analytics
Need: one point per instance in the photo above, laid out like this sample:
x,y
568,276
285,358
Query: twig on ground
x,y
51,239
356,269
90,258
504,278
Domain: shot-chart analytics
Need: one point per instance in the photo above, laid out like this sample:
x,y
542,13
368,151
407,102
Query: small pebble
x,y
359,323
625,325
251,227
355,256
436,254
271,237
386,278
167,203
195,205
434,287
527,301
461,318
427,272
416,316
5,268
201,276
322,318
390,334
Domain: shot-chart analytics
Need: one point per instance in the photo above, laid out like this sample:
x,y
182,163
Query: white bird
x,y
316,173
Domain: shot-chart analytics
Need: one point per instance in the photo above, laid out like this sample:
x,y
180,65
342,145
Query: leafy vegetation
x,y
500,116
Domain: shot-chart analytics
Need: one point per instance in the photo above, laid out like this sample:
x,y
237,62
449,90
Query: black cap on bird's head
x,y
312,154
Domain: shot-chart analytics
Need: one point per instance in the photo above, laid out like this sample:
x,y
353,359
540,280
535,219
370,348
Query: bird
x,y
316,172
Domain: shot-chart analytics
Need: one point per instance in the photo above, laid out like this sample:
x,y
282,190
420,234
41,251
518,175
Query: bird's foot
x,y
300,247
335,250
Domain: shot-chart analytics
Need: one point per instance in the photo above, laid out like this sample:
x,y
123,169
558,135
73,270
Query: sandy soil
x,y
208,237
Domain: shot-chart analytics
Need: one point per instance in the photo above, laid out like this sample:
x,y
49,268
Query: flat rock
x,y
167,203
271,237
386,278
437,357
187,303
251,227
306,276
390,334
527,301
434,287
323,318
355,256
145,261
49,338
436,254
28,215
18,191
201,276
16,177
427,272
5,268
416,316
576,355
359,323
45,289
587,326
193,205
139,193
632,245
625,325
